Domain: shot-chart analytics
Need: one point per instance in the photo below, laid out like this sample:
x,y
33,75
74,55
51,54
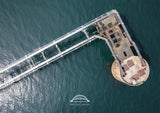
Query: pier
x,y
105,26
129,67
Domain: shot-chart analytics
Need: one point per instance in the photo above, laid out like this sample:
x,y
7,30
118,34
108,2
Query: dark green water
x,y
28,24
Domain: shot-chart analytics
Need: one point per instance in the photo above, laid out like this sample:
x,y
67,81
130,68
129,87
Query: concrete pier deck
x,y
129,66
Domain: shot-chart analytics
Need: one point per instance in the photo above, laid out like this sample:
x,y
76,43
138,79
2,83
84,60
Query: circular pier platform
x,y
136,73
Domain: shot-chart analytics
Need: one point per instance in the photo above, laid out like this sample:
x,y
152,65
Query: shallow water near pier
x,y
28,24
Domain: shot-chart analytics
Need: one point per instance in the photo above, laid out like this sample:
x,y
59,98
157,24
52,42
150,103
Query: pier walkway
x,y
53,51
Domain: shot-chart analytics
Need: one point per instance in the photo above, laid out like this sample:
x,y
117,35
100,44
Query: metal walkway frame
x,y
34,67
